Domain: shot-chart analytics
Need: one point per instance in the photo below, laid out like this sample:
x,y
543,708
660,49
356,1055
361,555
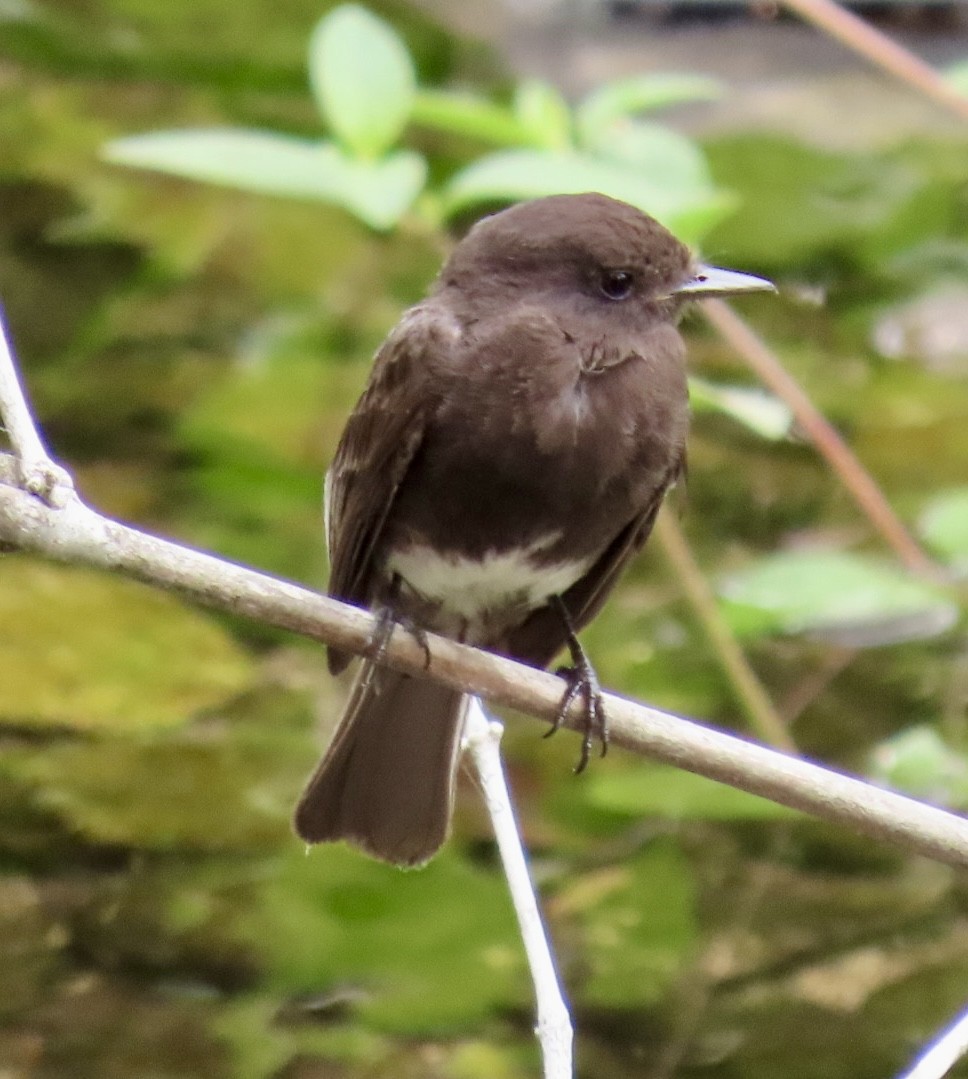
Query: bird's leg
x,y
582,680
388,618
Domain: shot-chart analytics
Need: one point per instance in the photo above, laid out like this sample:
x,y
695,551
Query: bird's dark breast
x,y
550,467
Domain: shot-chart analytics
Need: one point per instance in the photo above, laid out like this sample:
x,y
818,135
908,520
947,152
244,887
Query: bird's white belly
x,y
468,588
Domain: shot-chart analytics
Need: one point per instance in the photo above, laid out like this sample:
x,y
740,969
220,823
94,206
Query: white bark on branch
x,y
482,741
32,468
943,1053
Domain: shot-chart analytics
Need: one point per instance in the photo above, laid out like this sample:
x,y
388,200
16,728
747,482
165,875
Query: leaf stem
x,y
755,701
858,481
888,55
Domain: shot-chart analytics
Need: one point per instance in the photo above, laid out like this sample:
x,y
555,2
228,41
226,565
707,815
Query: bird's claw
x,y
581,680
386,621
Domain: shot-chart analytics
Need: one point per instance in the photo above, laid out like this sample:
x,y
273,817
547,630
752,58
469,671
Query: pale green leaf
x,y
957,75
761,412
641,93
664,791
920,762
654,150
944,524
470,116
378,192
515,175
544,114
853,599
363,79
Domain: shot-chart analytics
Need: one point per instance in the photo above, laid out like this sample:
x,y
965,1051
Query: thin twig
x,y
836,660
943,1053
78,535
38,473
858,481
482,741
862,38
753,698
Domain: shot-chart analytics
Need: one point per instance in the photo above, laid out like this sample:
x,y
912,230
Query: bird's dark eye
x,y
616,284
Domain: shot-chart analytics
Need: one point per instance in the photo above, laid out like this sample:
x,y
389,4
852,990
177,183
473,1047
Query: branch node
x,y
46,480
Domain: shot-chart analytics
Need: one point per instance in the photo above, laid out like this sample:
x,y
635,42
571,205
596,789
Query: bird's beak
x,y
712,281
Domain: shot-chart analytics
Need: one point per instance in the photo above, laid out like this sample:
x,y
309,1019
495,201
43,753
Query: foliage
x,y
107,677
835,595
957,75
944,524
364,83
919,760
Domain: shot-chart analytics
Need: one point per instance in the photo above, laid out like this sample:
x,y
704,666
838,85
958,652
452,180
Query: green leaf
x,y
255,491
336,916
957,75
853,599
919,762
761,412
163,793
657,151
638,925
544,114
514,175
664,791
84,650
261,1045
824,211
627,97
377,192
363,79
469,115
944,524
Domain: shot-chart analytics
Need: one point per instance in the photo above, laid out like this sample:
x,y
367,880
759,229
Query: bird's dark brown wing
x,y
381,438
543,635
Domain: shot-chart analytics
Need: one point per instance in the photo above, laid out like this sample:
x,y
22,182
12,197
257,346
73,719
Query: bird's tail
x,y
386,783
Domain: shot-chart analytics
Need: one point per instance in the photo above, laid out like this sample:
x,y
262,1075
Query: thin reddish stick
x,y
858,481
862,38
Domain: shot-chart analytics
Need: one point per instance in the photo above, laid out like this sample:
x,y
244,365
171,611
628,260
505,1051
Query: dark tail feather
x,y
386,783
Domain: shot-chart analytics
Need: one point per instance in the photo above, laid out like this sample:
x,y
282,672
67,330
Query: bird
x,y
518,432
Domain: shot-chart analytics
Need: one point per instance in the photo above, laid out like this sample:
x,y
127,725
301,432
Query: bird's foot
x,y
581,680
387,619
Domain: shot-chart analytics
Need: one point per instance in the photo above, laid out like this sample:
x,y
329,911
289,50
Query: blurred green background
x,y
192,352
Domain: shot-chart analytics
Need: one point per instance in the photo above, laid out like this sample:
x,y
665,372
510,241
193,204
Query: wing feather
x,y
379,443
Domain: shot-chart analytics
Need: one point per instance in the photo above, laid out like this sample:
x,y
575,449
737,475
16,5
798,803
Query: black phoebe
x,y
507,458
